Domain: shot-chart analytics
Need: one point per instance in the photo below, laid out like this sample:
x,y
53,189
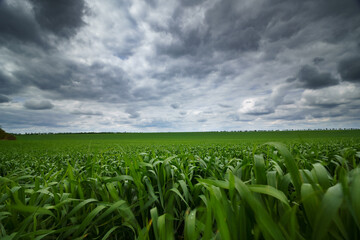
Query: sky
x,y
184,65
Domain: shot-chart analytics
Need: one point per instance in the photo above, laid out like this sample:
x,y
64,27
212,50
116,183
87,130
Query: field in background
x,y
195,137
303,185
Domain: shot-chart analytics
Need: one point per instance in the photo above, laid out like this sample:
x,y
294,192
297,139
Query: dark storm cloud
x,y
13,19
311,78
25,31
232,28
4,99
62,18
38,105
223,29
233,25
349,69
228,30
31,22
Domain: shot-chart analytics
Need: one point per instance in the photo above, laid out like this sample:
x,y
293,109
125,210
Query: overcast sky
x,y
190,65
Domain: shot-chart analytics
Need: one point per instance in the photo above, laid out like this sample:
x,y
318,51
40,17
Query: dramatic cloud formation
x,y
178,65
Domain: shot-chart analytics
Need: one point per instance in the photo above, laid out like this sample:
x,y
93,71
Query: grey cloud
x,y
268,105
295,24
31,22
318,111
278,95
295,115
175,105
208,53
8,85
340,103
183,44
318,60
18,120
331,98
279,29
4,99
191,68
230,28
224,105
311,78
132,113
191,3
238,26
38,105
292,79
258,111
87,112
66,79
223,29
202,120
145,93
322,114
238,118
62,18
349,69
343,112
13,17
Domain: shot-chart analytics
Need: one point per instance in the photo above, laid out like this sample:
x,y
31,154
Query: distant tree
x,y
6,136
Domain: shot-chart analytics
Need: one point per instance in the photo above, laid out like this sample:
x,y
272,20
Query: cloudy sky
x,y
189,65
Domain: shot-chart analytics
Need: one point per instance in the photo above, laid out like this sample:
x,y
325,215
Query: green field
x,y
237,185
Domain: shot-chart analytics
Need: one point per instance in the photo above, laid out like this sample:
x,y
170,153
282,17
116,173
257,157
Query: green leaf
x,y
32,209
329,207
265,221
87,221
311,202
291,166
154,218
321,174
271,191
355,196
190,223
259,169
109,232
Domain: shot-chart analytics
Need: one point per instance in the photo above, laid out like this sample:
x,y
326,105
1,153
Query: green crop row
x,y
269,191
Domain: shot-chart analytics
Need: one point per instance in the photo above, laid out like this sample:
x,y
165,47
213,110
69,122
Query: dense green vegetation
x,y
301,185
